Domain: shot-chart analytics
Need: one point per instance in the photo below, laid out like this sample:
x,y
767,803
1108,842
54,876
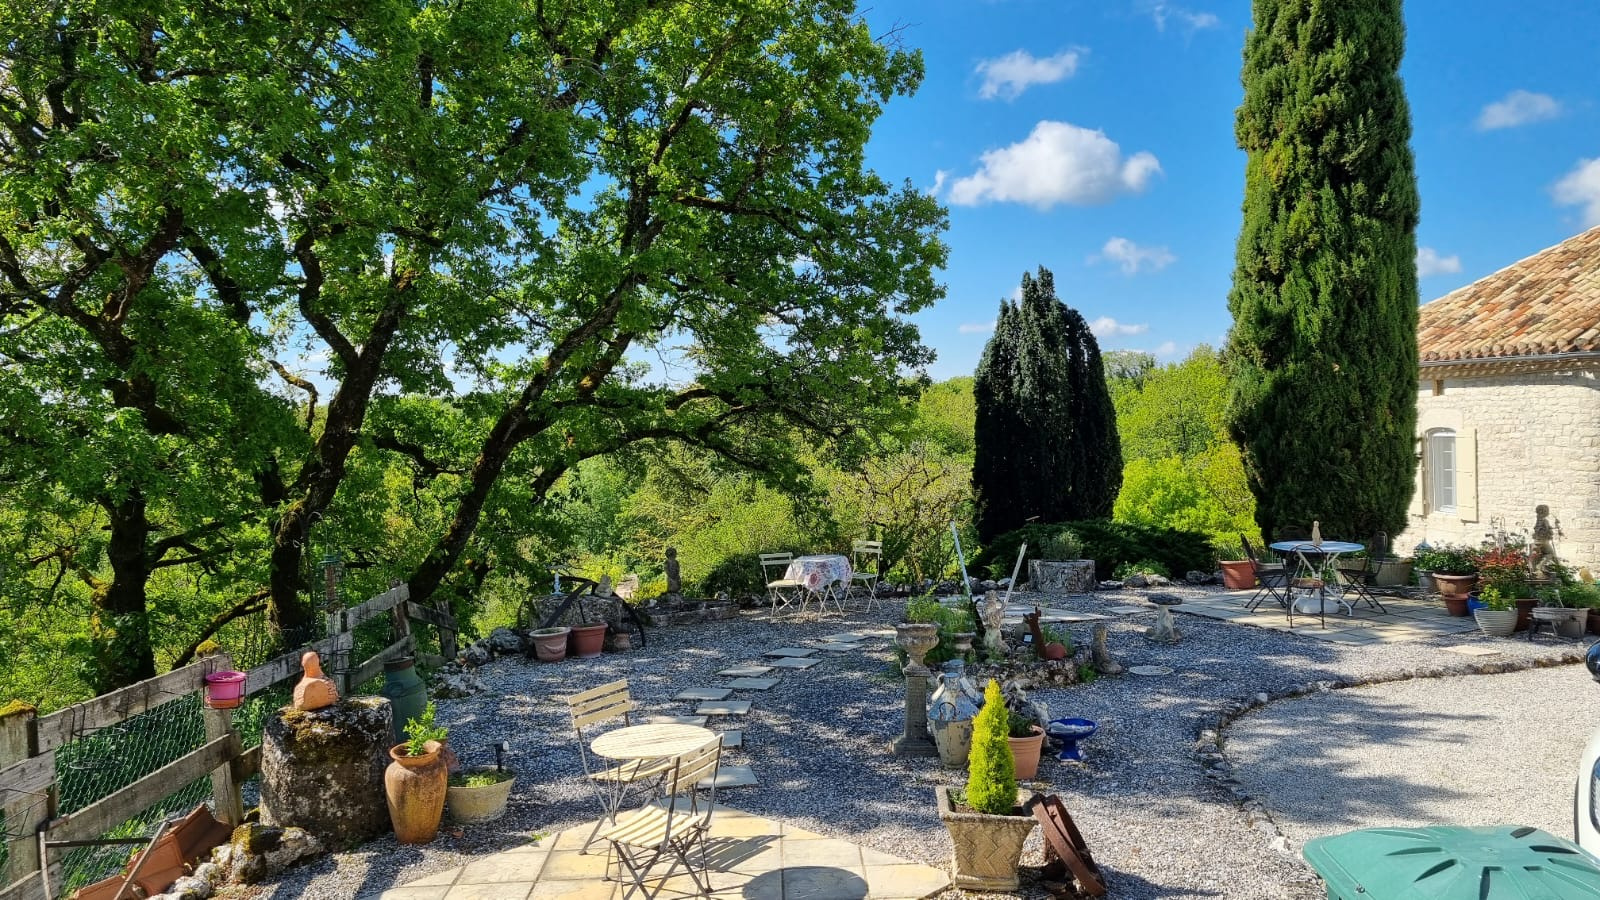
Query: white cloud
x,y
1131,257
1162,12
976,327
1057,163
1008,76
1167,349
1518,108
939,177
1429,262
1105,326
1581,187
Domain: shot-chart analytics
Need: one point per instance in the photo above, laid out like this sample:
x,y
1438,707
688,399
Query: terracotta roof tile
x,y
1547,303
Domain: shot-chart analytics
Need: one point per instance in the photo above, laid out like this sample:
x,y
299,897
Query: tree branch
x,y
254,603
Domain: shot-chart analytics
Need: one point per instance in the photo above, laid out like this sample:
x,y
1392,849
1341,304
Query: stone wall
x,y
1538,441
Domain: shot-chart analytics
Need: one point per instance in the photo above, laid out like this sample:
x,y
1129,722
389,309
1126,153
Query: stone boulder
x,y
504,642
260,852
475,654
322,771
1066,576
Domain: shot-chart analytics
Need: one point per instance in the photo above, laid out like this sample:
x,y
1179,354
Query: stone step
x,y
837,647
676,720
752,684
847,637
703,693
745,671
733,776
732,739
791,652
793,663
723,708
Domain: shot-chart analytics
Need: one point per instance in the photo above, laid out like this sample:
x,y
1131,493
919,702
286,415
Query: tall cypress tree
x,y
1322,356
1046,431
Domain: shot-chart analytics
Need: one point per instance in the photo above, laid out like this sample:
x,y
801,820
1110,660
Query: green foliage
x,y
1057,634
1585,594
1142,567
421,729
1505,569
991,773
1205,494
1446,559
1109,544
484,778
1494,600
1322,356
1045,433
952,620
1062,545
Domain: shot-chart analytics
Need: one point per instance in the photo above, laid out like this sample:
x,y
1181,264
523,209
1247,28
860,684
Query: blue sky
x,y
1095,138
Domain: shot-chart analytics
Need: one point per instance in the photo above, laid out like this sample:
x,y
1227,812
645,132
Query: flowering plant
x,y
1504,568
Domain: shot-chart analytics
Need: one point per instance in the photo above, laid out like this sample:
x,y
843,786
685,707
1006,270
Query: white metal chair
x,y
611,783
865,557
675,826
783,591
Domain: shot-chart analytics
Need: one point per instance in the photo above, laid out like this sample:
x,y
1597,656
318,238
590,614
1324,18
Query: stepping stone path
x,y
756,677
1128,610
704,694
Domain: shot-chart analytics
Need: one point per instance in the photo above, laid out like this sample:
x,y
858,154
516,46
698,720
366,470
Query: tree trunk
x,y
120,627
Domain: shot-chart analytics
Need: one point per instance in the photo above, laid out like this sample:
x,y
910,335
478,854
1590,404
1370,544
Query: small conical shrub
x,y
991,775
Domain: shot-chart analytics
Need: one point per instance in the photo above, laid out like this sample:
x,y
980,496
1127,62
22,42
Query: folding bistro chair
x,y
783,591
674,826
1308,576
1271,576
1356,576
865,557
611,783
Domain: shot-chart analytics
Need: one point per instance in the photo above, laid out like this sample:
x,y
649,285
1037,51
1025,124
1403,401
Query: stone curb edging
x,y
1209,738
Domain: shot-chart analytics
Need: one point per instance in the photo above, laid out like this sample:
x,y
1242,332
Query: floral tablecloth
x,y
817,572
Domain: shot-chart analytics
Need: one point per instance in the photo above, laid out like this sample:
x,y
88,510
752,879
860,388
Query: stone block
x,y
322,771
1070,576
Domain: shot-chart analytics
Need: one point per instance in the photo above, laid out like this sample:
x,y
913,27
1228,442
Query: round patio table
x,y
651,741
1314,559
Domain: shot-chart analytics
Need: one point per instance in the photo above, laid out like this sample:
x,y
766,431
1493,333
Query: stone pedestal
x,y
917,639
323,771
1065,576
1165,631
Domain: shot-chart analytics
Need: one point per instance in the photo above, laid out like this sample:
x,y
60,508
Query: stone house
x,y
1508,405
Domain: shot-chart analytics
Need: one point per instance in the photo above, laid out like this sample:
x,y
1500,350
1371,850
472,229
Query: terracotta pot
x,y
588,640
987,848
1025,754
550,644
1453,585
415,787
1055,650
1525,612
1238,574
1456,605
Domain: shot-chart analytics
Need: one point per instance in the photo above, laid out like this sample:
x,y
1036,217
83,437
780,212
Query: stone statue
x,y
315,690
1542,555
1103,660
674,579
994,614
603,589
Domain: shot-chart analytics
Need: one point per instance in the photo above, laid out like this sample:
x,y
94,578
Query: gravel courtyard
x,y
1159,824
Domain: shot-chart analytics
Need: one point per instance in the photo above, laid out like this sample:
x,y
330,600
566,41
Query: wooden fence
x,y
29,742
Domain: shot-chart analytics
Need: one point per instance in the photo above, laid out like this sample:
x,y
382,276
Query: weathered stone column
x,y
917,640
322,771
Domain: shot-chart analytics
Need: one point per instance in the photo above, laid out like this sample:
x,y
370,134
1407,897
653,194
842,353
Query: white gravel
x,y
1477,750
1158,823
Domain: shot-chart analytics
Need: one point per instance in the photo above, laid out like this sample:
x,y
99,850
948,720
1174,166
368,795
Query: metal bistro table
x,y
820,574
1311,562
651,741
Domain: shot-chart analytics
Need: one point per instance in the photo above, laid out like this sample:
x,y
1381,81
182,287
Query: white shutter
x,y
1419,500
1467,474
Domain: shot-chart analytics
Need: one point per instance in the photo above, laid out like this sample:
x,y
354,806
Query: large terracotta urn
x,y
415,787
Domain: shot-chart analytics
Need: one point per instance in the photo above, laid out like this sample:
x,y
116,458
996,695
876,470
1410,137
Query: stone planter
x,y
1455,585
1238,574
550,644
987,848
1496,622
1064,576
1025,753
588,640
1392,572
1570,622
486,803
415,787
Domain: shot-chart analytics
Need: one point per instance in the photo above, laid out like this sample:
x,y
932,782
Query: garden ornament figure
x,y
994,613
1542,555
315,690
1102,654
674,579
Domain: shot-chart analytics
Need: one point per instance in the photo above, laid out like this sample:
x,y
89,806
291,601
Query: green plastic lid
x,y
1504,862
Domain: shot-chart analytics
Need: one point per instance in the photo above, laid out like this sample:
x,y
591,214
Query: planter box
x,y
987,848
1392,572
1066,576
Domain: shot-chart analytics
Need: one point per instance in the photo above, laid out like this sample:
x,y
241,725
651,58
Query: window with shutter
x,y
1442,469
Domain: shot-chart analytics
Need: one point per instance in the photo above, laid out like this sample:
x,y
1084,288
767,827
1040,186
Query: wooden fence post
x,y
225,779
24,810
339,666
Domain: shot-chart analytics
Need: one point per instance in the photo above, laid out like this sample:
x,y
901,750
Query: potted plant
x,y
1025,736
1504,567
1454,573
550,644
415,783
588,639
1497,618
1586,595
1238,573
478,795
1060,567
986,821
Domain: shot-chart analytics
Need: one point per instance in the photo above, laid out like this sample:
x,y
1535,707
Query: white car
x,y
1586,803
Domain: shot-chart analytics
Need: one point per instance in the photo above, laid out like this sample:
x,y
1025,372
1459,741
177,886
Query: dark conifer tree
x,y
1322,357
1046,432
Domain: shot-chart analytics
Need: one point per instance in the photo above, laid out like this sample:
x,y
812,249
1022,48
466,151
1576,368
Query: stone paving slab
x,y
749,857
723,708
753,684
733,776
745,671
794,663
703,694
1472,650
676,720
791,652
847,637
1129,610
838,647
732,739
